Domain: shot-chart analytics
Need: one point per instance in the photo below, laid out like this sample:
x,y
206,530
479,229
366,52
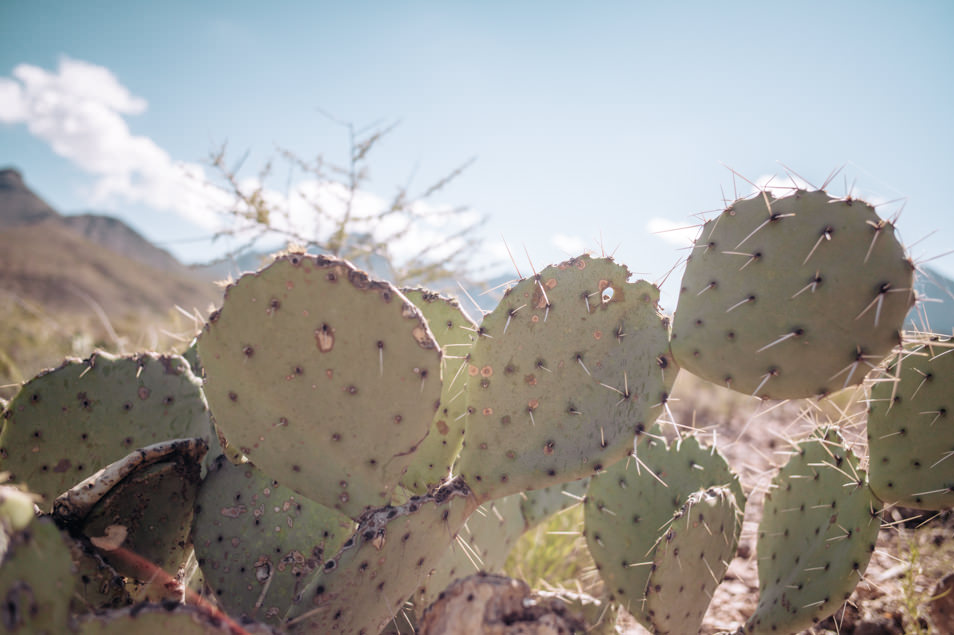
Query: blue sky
x,y
589,121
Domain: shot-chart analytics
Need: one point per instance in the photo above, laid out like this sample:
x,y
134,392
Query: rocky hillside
x,y
71,263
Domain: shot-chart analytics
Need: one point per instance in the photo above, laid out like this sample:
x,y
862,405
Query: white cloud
x,y
572,245
79,111
679,234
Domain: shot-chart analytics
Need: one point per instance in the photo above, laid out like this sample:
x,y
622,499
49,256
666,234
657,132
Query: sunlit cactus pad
x,y
69,422
911,428
325,379
571,366
792,297
818,531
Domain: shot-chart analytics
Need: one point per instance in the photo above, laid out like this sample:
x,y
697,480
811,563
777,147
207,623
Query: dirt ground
x,y
915,550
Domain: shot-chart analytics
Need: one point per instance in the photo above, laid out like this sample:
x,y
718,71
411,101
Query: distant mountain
x,y
73,263
18,205
117,236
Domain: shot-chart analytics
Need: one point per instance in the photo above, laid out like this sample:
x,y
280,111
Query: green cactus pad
x,y
326,380
568,369
629,505
482,545
792,297
911,428
691,559
36,580
455,333
382,564
257,542
67,423
818,531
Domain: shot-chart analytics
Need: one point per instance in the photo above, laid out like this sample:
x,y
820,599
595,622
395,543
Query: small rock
x,y
496,605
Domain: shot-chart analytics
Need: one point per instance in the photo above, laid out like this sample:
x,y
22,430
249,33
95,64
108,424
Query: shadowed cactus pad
x,y
36,580
568,369
68,422
792,297
364,586
818,531
258,542
911,428
326,380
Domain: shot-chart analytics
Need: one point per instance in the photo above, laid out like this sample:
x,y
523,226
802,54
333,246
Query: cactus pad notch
x,y
569,368
325,379
792,297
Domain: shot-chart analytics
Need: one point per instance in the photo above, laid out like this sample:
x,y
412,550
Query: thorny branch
x,y
340,227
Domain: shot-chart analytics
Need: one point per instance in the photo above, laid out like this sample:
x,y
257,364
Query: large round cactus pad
x,y
792,297
326,380
67,423
570,367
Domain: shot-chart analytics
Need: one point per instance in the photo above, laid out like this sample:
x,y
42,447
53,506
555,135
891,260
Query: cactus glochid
x,y
372,445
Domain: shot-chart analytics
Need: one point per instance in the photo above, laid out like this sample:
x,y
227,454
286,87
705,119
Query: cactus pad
x,y
455,333
67,423
364,586
628,508
482,545
570,366
257,542
36,580
818,531
792,297
911,428
691,559
326,380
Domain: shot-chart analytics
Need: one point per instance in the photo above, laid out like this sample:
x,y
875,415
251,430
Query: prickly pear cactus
x,y
792,297
257,542
818,531
628,508
691,559
570,366
36,580
326,380
364,586
911,428
455,333
69,422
